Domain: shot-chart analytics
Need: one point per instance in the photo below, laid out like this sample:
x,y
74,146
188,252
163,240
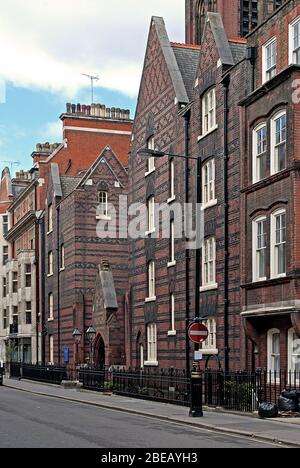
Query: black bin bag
x,y
267,410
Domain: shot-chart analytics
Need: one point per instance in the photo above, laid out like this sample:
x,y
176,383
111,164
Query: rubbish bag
x,y
291,394
267,410
287,405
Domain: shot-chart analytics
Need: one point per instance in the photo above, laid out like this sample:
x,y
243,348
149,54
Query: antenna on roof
x,y
92,78
11,164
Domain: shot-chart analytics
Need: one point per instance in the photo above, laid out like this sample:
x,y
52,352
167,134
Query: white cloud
x,y
47,44
51,132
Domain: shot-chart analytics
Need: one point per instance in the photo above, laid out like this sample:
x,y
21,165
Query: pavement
x,y
278,431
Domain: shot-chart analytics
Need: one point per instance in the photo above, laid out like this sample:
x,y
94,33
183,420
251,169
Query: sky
x,y
46,45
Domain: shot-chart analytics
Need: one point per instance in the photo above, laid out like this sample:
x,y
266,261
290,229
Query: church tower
x,y
239,16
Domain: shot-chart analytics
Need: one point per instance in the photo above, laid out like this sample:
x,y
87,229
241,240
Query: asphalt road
x,y
34,421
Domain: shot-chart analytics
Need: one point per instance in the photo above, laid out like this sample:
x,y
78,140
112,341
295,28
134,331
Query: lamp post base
x,y
196,410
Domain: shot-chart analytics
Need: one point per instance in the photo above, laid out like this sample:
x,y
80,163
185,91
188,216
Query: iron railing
x,y
235,391
171,385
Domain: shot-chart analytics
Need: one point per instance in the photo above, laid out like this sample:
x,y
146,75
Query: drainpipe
x,y
251,55
43,276
187,252
58,281
37,276
226,83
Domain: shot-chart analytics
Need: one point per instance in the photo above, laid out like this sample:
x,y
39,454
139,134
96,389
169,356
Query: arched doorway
x,y
99,352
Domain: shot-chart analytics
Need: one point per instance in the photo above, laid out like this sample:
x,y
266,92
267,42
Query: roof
x,y
68,184
221,40
175,74
238,50
187,59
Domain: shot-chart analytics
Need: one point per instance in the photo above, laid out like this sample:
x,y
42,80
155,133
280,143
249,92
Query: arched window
x,y
278,243
259,248
103,199
278,142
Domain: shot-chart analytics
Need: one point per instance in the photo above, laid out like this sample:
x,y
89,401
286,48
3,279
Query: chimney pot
x,y
73,108
78,108
69,108
88,109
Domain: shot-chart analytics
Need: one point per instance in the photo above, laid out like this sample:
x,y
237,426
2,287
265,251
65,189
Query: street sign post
x,y
198,333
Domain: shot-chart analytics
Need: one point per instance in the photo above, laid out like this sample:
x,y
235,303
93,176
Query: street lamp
x,y
77,335
91,336
196,378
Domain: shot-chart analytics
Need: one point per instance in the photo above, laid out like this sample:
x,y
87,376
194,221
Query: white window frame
x,y
256,249
5,254
271,355
62,257
209,119
292,49
266,70
209,347
5,224
50,218
27,311
51,350
50,263
172,261
142,358
151,281
172,195
150,215
274,160
28,274
151,345
274,245
209,183
255,152
151,159
50,307
209,264
172,331
291,354
102,210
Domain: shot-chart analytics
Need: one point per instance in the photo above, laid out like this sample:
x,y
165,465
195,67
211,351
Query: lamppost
x,y
77,335
196,377
91,336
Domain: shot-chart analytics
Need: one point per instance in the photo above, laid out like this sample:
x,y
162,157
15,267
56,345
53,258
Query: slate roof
x,y
187,59
68,184
238,51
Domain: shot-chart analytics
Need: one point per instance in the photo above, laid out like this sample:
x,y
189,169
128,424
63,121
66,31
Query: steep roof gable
x,y
214,21
176,77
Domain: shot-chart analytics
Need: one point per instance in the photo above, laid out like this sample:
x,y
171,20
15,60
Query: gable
x,y
161,73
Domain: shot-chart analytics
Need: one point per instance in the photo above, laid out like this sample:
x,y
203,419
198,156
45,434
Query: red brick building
x,y
189,104
88,173
270,193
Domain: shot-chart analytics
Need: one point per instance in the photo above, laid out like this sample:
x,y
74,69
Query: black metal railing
x,y
47,374
94,379
171,385
235,391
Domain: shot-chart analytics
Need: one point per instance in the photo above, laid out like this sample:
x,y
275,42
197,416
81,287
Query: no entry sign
x,y
198,333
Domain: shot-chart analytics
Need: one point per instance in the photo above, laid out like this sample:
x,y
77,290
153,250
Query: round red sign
x,y
198,333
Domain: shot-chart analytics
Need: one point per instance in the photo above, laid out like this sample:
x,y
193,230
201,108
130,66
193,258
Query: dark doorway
x,y
99,352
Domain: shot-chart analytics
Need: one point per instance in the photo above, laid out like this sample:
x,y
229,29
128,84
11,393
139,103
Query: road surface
x,y
35,421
